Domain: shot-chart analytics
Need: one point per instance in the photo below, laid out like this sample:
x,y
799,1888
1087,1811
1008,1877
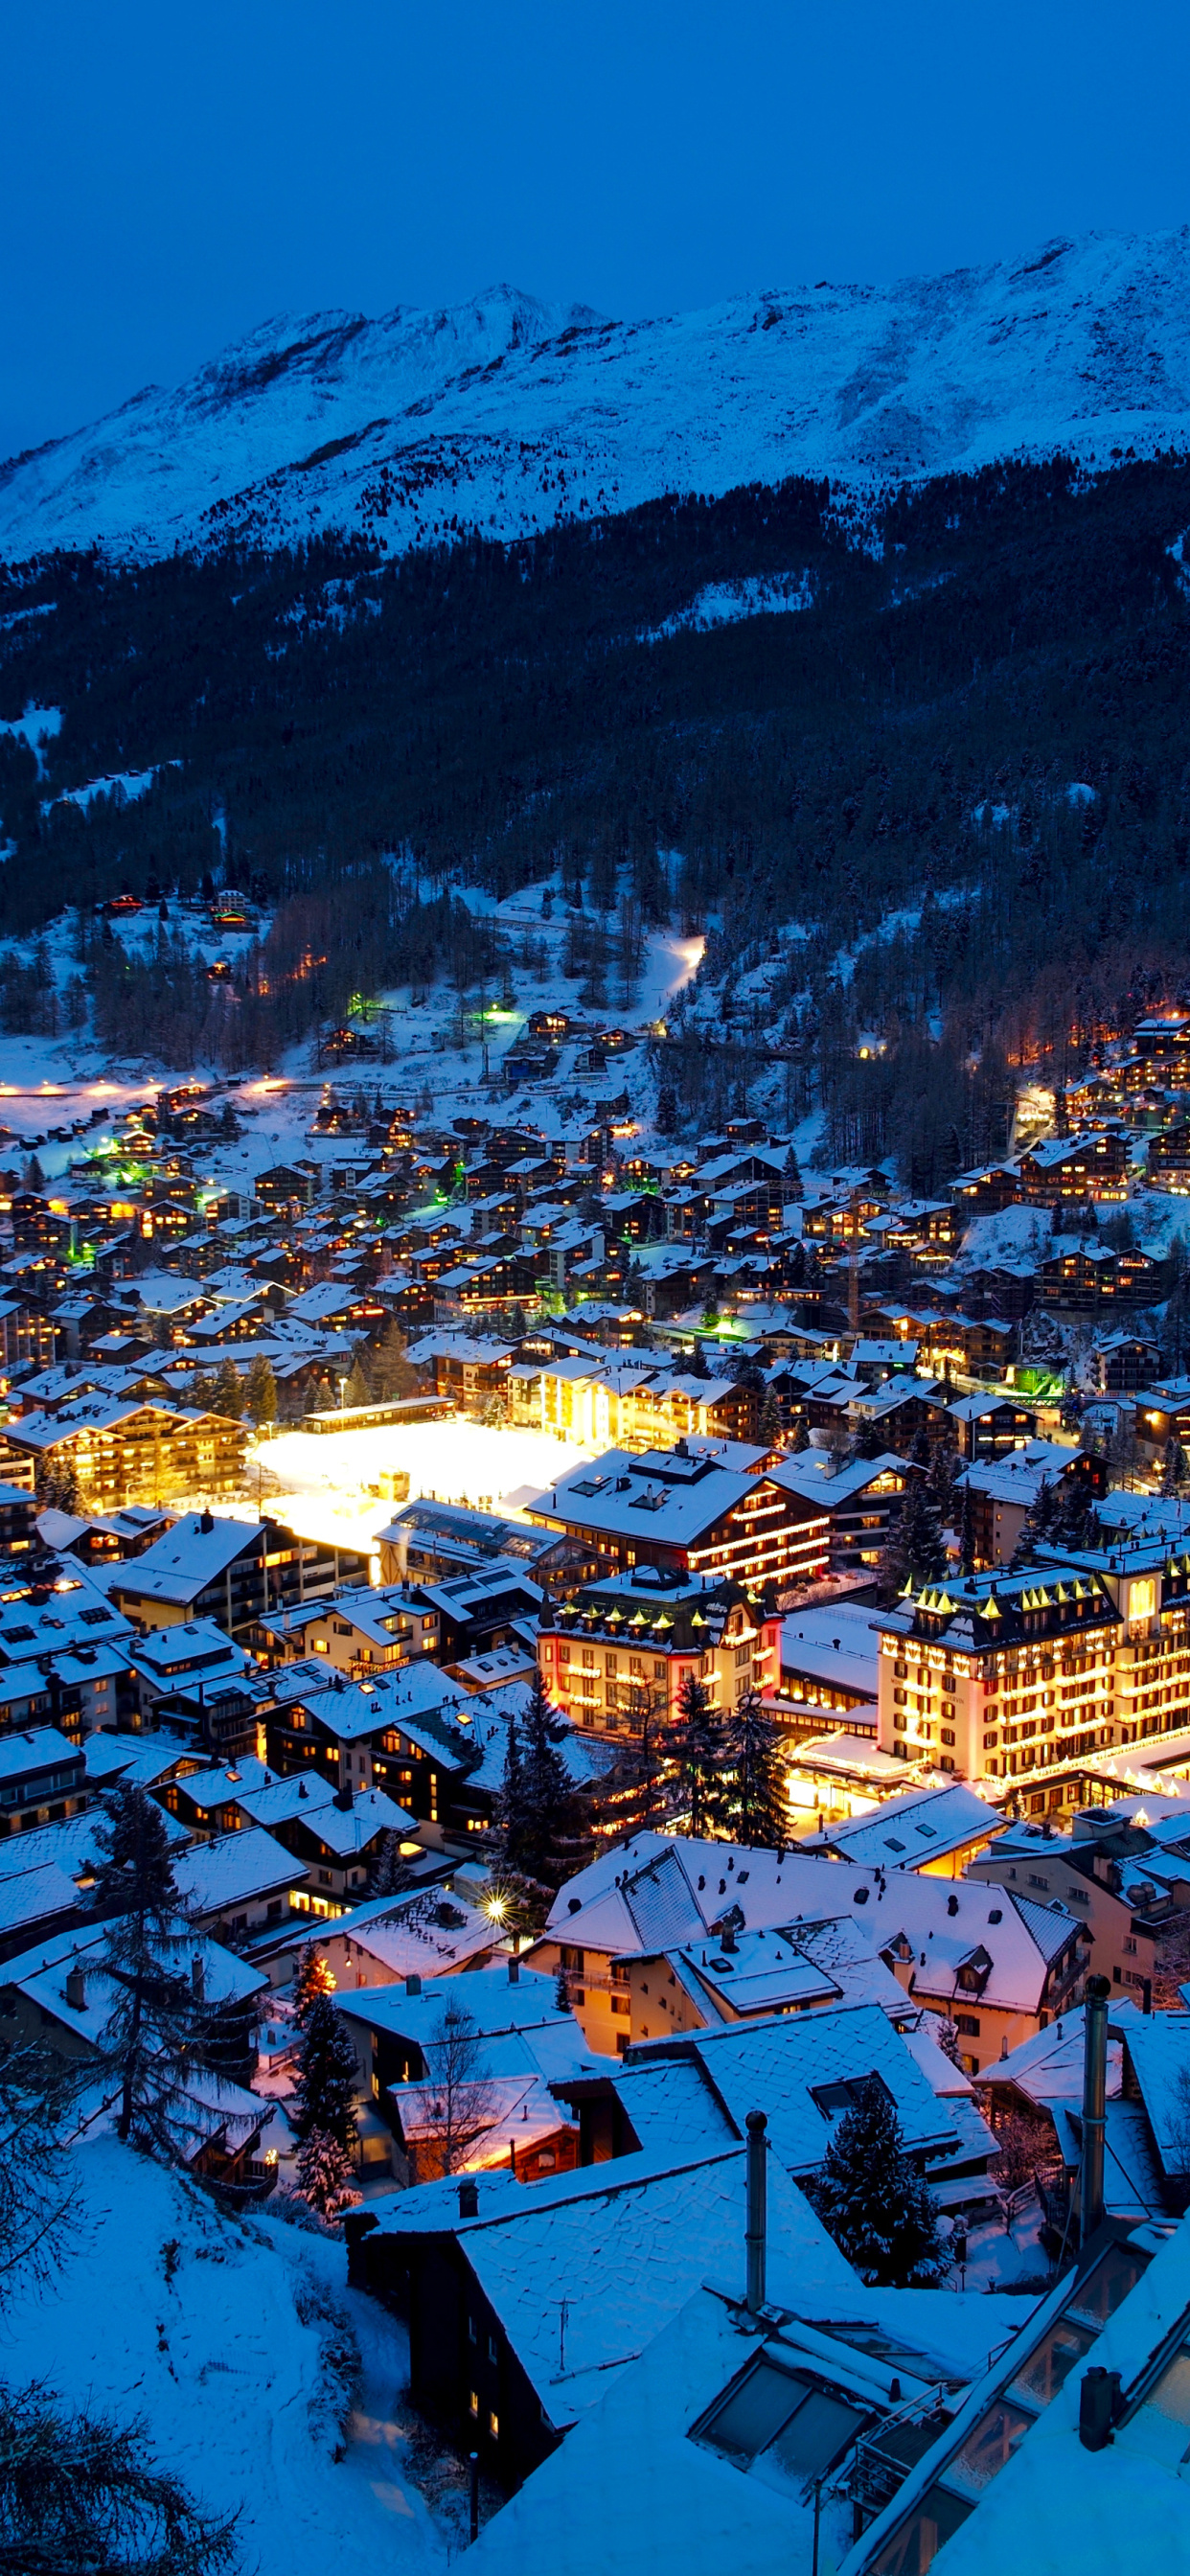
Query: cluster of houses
x,y
985,1873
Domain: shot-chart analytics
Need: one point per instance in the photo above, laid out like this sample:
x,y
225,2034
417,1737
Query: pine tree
x,y
313,1978
756,1804
967,1532
943,1477
869,2197
229,1393
261,1395
390,1875
328,2079
771,1426
799,1438
867,1442
667,1109
913,1549
79,2496
1037,1524
392,1374
357,1390
324,2175
158,2029
696,1750
1173,1468
791,1176
552,1827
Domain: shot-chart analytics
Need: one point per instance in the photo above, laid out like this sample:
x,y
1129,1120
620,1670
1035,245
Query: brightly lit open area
x,y
343,1482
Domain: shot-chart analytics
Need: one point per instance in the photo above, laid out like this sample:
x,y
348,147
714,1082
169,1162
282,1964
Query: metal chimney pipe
x,y
1094,2105
754,2239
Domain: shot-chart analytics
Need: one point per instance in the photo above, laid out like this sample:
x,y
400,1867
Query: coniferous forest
x,y
984,703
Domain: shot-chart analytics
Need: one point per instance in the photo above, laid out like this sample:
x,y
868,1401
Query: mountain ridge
x,y
506,414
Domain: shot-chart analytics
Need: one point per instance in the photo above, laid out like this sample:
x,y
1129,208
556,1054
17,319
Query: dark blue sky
x,y
174,173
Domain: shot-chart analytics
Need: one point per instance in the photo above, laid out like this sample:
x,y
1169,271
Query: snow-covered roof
x,y
623,2245
177,1566
235,1869
784,2065
912,1832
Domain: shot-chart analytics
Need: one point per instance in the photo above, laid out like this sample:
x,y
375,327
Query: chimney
x,y
198,1979
76,1989
413,1985
1098,2399
1094,2105
345,1798
514,1972
468,2200
754,2240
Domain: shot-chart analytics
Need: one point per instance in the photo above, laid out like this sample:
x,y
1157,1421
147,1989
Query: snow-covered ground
x,y
161,2309
505,414
327,1479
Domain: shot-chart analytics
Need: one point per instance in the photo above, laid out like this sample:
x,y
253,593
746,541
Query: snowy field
x,y
328,1479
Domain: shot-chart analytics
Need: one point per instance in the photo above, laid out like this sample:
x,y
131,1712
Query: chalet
x,y
336,1835
429,1542
123,1453
1075,1168
861,1499
1126,1362
235,1572
510,2119
523,2305
405,1732
990,1426
1003,1491
684,1512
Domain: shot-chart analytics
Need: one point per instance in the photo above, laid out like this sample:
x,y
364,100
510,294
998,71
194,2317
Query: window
x,y
493,2425
621,2004
797,2428
968,2024
473,2402
472,2332
493,2350
844,2094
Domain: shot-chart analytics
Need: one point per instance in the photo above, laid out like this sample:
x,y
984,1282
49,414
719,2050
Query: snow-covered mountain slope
x,y
506,414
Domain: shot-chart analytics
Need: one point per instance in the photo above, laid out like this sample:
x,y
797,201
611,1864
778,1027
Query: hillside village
x,y
535,1639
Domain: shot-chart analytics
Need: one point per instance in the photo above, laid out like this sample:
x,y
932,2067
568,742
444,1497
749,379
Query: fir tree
x,y
667,1109
158,2029
756,1803
943,1477
1173,1467
390,1874
328,2079
799,1438
261,1395
698,1362
551,1818
869,2197
696,1751
967,1532
313,1978
80,2496
913,1549
357,1390
324,2175
1038,1524
791,1176
770,1426
229,1393
392,1373
868,1442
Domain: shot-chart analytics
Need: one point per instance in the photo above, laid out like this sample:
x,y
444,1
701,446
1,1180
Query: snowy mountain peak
x,y
505,413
